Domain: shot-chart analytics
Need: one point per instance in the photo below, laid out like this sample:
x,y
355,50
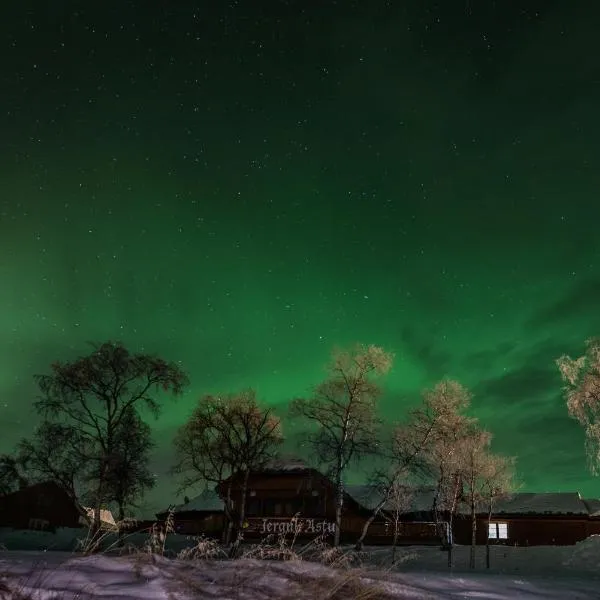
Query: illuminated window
x,y
498,531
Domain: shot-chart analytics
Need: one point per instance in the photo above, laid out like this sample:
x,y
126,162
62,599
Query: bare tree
x,y
225,438
416,446
59,453
582,392
12,477
497,482
474,462
343,408
128,474
444,406
202,452
84,402
399,501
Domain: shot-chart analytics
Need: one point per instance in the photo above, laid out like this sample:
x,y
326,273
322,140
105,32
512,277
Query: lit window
x,y
503,531
498,531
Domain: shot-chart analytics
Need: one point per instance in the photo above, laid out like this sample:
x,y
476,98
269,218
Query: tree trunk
x,y
450,525
359,543
473,532
435,507
228,513
121,540
94,533
339,503
487,539
395,538
241,517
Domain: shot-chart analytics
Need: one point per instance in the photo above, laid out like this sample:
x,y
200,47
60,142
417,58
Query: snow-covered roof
x,y
289,465
593,506
208,501
421,500
416,500
553,503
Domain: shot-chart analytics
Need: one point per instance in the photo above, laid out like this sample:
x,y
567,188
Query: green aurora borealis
x,y
242,190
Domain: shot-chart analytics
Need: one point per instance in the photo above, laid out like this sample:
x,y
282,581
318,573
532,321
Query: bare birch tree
x,y
399,501
486,477
416,446
582,393
227,437
497,482
474,461
444,405
344,410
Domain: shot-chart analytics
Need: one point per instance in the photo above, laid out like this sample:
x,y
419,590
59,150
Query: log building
x,y
291,498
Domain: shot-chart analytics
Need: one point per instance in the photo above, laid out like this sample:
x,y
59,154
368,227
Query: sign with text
x,y
296,526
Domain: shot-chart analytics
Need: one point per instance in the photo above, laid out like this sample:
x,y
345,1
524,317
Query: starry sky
x,y
243,187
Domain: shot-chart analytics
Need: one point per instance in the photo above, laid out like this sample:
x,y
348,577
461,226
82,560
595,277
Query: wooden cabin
x,y
522,519
289,497
530,519
45,506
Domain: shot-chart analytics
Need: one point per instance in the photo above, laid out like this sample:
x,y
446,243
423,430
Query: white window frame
x,y
498,530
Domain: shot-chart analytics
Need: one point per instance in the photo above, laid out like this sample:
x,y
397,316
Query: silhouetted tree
x,y
227,437
12,477
343,410
128,475
59,453
85,403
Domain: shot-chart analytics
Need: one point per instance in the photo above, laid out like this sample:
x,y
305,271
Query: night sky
x,y
242,188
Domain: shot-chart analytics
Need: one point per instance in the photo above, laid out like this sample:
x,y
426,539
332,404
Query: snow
x,y
550,573
561,503
208,500
522,503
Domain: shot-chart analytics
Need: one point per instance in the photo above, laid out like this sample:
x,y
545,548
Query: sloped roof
x,y
208,501
593,506
288,465
554,503
417,500
421,500
105,515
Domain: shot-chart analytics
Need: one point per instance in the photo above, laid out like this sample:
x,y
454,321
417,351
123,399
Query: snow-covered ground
x,y
535,573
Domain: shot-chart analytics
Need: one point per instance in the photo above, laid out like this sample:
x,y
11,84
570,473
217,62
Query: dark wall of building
x,y
526,531
275,499
210,525
284,495
42,506
594,526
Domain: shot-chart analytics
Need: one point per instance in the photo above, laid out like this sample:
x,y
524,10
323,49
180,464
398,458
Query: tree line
x,y
93,442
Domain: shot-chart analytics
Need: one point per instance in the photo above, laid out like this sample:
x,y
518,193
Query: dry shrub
x,y
155,544
204,549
